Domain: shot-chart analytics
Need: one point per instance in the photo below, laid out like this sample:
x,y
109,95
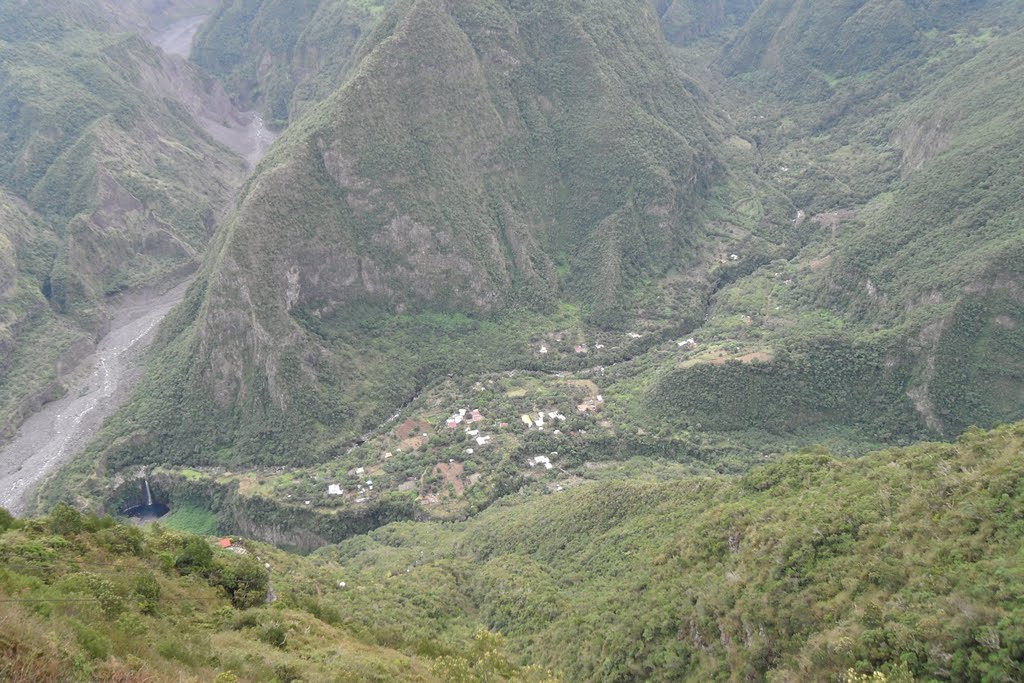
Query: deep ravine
x,y
61,429
102,382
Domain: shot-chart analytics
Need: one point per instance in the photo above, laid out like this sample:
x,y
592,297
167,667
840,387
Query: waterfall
x,y
149,495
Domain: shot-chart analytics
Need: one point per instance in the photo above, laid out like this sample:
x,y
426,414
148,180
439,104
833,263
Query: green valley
x,y
517,339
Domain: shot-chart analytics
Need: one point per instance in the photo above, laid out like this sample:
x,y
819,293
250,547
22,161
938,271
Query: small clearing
x,y
452,473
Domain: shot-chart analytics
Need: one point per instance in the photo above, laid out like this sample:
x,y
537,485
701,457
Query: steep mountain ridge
x,y
899,317
801,45
566,171
512,277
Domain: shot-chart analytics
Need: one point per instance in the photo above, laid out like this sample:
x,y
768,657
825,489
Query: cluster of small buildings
x,y
228,545
481,440
464,416
578,348
539,461
541,419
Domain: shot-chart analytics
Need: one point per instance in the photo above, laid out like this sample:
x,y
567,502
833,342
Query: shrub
x,y
196,557
121,540
7,520
147,589
244,580
275,634
65,520
95,645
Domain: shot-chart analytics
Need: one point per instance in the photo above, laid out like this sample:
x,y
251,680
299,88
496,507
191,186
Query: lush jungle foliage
x,y
706,234
800,570
458,182
85,599
487,172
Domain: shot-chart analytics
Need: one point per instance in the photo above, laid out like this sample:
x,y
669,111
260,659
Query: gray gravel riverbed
x,y
62,429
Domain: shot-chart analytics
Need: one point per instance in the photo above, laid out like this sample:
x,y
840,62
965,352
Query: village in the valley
x,y
551,427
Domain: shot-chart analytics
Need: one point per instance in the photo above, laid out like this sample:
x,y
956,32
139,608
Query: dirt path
x,y
61,429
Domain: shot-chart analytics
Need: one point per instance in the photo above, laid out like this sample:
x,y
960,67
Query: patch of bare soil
x,y
412,428
452,473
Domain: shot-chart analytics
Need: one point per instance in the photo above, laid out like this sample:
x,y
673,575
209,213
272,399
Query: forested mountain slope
x,y
901,316
482,167
733,268
108,182
516,329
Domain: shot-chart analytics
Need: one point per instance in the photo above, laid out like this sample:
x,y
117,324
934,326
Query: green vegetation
x,y
106,183
656,260
85,599
33,339
191,519
847,262
904,175
396,234
802,569
904,562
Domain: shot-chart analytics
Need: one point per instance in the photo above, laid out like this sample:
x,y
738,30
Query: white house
x,y
540,460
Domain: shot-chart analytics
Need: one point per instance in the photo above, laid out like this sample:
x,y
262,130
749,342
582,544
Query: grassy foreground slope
x,y
85,599
906,561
